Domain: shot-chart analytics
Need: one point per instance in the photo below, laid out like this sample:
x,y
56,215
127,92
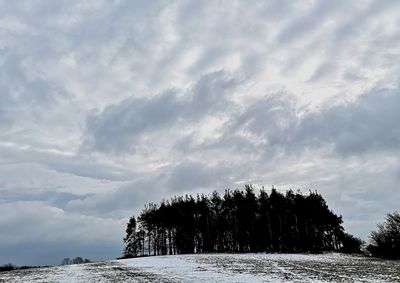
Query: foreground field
x,y
220,268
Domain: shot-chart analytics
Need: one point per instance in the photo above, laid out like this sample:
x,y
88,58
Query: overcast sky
x,y
108,105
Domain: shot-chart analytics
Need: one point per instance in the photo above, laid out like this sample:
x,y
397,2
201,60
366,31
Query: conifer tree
x,y
238,221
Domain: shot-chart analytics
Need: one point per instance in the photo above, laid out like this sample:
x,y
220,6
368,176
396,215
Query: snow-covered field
x,y
220,268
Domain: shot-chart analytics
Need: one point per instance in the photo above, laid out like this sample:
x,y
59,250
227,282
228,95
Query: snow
x,y
187,269
220,268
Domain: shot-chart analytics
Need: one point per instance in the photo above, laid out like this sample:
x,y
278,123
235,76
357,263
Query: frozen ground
x,y
220,268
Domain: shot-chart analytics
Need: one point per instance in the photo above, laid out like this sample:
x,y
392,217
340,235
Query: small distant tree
x,y
77,260
7,267
66,261
385,241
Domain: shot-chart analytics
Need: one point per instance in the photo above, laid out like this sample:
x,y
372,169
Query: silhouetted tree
x,y
238,221
131,240
385,241
66,261
77,260
7,267
350,244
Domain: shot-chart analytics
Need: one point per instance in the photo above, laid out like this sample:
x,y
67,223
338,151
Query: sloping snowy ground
x,y
220,268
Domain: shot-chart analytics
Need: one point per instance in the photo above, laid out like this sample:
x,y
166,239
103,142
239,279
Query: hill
x,y
220,268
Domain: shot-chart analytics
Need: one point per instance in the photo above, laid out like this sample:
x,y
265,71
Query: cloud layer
x,y
107,105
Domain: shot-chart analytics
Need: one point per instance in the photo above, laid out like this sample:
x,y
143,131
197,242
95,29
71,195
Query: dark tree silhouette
x,y
131,244
351,244
76,260
66,261
385,241
238,221
7,267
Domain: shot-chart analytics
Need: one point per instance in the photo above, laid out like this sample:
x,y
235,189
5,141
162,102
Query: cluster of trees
x,y
385,241
7,267
238,221
77,260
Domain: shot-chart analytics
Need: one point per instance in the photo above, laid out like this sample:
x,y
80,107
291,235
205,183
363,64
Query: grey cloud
x,y
87,168
368,124
358,192
116,127
122,201
271,126
272,117
324,70
119,127
52,197
211,94
189,176
262,127
336,31
48,225
353,76
312,19
34,183
23,97
77,165
352,26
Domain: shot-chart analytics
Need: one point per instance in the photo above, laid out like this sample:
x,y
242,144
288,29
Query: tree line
x,y
238,221
65,261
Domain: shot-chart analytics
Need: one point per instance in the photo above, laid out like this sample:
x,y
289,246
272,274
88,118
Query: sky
x,y
108,105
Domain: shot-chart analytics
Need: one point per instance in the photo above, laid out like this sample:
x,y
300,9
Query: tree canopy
x,y
238,221
385,241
